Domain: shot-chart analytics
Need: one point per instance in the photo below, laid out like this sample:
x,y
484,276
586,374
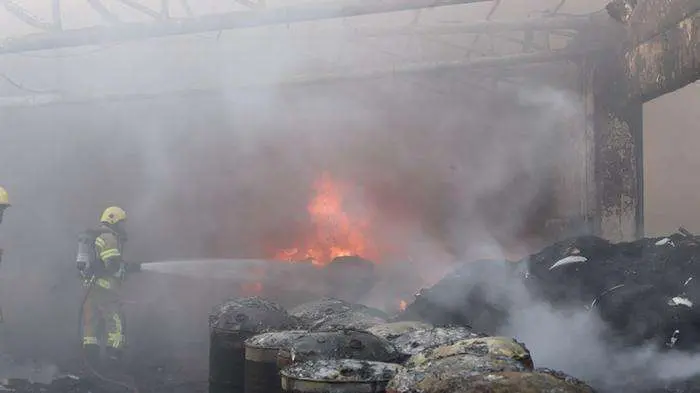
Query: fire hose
x,y
89,284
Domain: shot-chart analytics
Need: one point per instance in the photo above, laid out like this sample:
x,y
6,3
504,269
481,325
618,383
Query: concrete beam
x,y
512,65
666,62
232,20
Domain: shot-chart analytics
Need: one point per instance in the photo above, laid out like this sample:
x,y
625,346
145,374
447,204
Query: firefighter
x,y
102,317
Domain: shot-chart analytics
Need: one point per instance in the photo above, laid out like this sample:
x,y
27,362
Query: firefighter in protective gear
x,y
103,319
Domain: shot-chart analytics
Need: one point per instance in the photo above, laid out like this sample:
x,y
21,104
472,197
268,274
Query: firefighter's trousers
x,y
103,318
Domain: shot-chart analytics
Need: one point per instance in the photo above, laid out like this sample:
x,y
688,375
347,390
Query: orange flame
x,y
403,305
336,233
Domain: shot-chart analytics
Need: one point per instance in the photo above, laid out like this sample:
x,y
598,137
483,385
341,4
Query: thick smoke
x,y
451,171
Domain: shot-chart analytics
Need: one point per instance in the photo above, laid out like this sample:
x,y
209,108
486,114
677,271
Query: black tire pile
x,y
647,291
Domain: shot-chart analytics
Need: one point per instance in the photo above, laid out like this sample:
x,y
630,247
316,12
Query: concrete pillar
x,y
617,167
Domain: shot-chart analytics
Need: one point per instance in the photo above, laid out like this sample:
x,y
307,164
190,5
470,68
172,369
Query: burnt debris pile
x,y
646,291
467,297
60,385
406,356
484,364
330,313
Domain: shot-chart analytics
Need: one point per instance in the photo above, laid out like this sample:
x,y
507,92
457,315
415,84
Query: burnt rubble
x,y
331,314
469,365
394,330
646,292
60,385
418,340
482,346
403,357
463,297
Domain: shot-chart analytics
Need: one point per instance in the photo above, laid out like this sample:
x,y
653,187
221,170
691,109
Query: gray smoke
x,y
449,170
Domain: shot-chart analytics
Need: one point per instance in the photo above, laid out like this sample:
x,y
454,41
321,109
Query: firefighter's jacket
x,y
109,248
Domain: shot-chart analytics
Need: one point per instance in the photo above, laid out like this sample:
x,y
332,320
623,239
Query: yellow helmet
x,y
4,198
113,215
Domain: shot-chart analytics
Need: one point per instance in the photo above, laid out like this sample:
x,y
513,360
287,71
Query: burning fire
x,y
403,305
336,233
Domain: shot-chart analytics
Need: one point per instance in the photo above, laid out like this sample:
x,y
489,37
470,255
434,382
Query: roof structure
x,y
73,50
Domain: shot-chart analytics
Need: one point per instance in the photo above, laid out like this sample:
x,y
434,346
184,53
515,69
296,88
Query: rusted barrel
x,y
338,376
230,325
344,344
261,372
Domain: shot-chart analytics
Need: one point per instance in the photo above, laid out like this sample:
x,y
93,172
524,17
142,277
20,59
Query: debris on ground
x,y
511,381
60,385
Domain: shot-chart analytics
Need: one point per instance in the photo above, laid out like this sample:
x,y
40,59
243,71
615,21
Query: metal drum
x,y
338,376
261,372
342,344
230,325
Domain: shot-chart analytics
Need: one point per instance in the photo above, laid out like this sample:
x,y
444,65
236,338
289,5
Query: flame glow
x,y
403,305
335,232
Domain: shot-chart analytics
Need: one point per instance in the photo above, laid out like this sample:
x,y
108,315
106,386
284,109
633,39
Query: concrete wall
x,y
672,161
